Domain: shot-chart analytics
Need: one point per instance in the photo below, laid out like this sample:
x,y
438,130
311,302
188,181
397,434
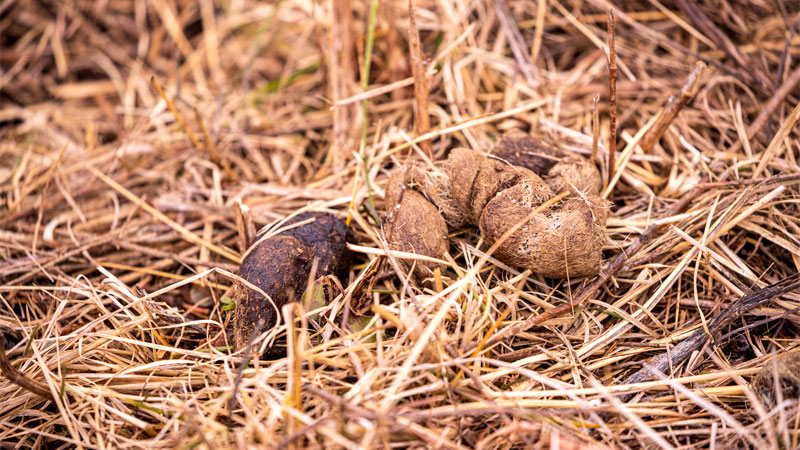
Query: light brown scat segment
x,y
576,172
464,166
564,240
493,177
599,207
509,207
417,227
476,179
434,183
397,181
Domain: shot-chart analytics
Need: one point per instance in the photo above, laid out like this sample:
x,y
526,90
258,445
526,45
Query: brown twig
x,y
245,226
612,97
595,128
340,73
769,108
17,377
777,179
422,121
682,351
672,108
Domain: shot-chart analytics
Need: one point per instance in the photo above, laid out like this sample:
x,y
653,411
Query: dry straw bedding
x,y
125,218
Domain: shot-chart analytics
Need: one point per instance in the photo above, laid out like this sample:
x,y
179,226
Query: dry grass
x,y
120,232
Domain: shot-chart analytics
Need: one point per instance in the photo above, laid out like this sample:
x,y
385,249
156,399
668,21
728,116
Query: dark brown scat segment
x,y
522,149
327,236
280,267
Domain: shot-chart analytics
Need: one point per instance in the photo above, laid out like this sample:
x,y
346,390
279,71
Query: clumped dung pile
x,y
510,205
143,143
